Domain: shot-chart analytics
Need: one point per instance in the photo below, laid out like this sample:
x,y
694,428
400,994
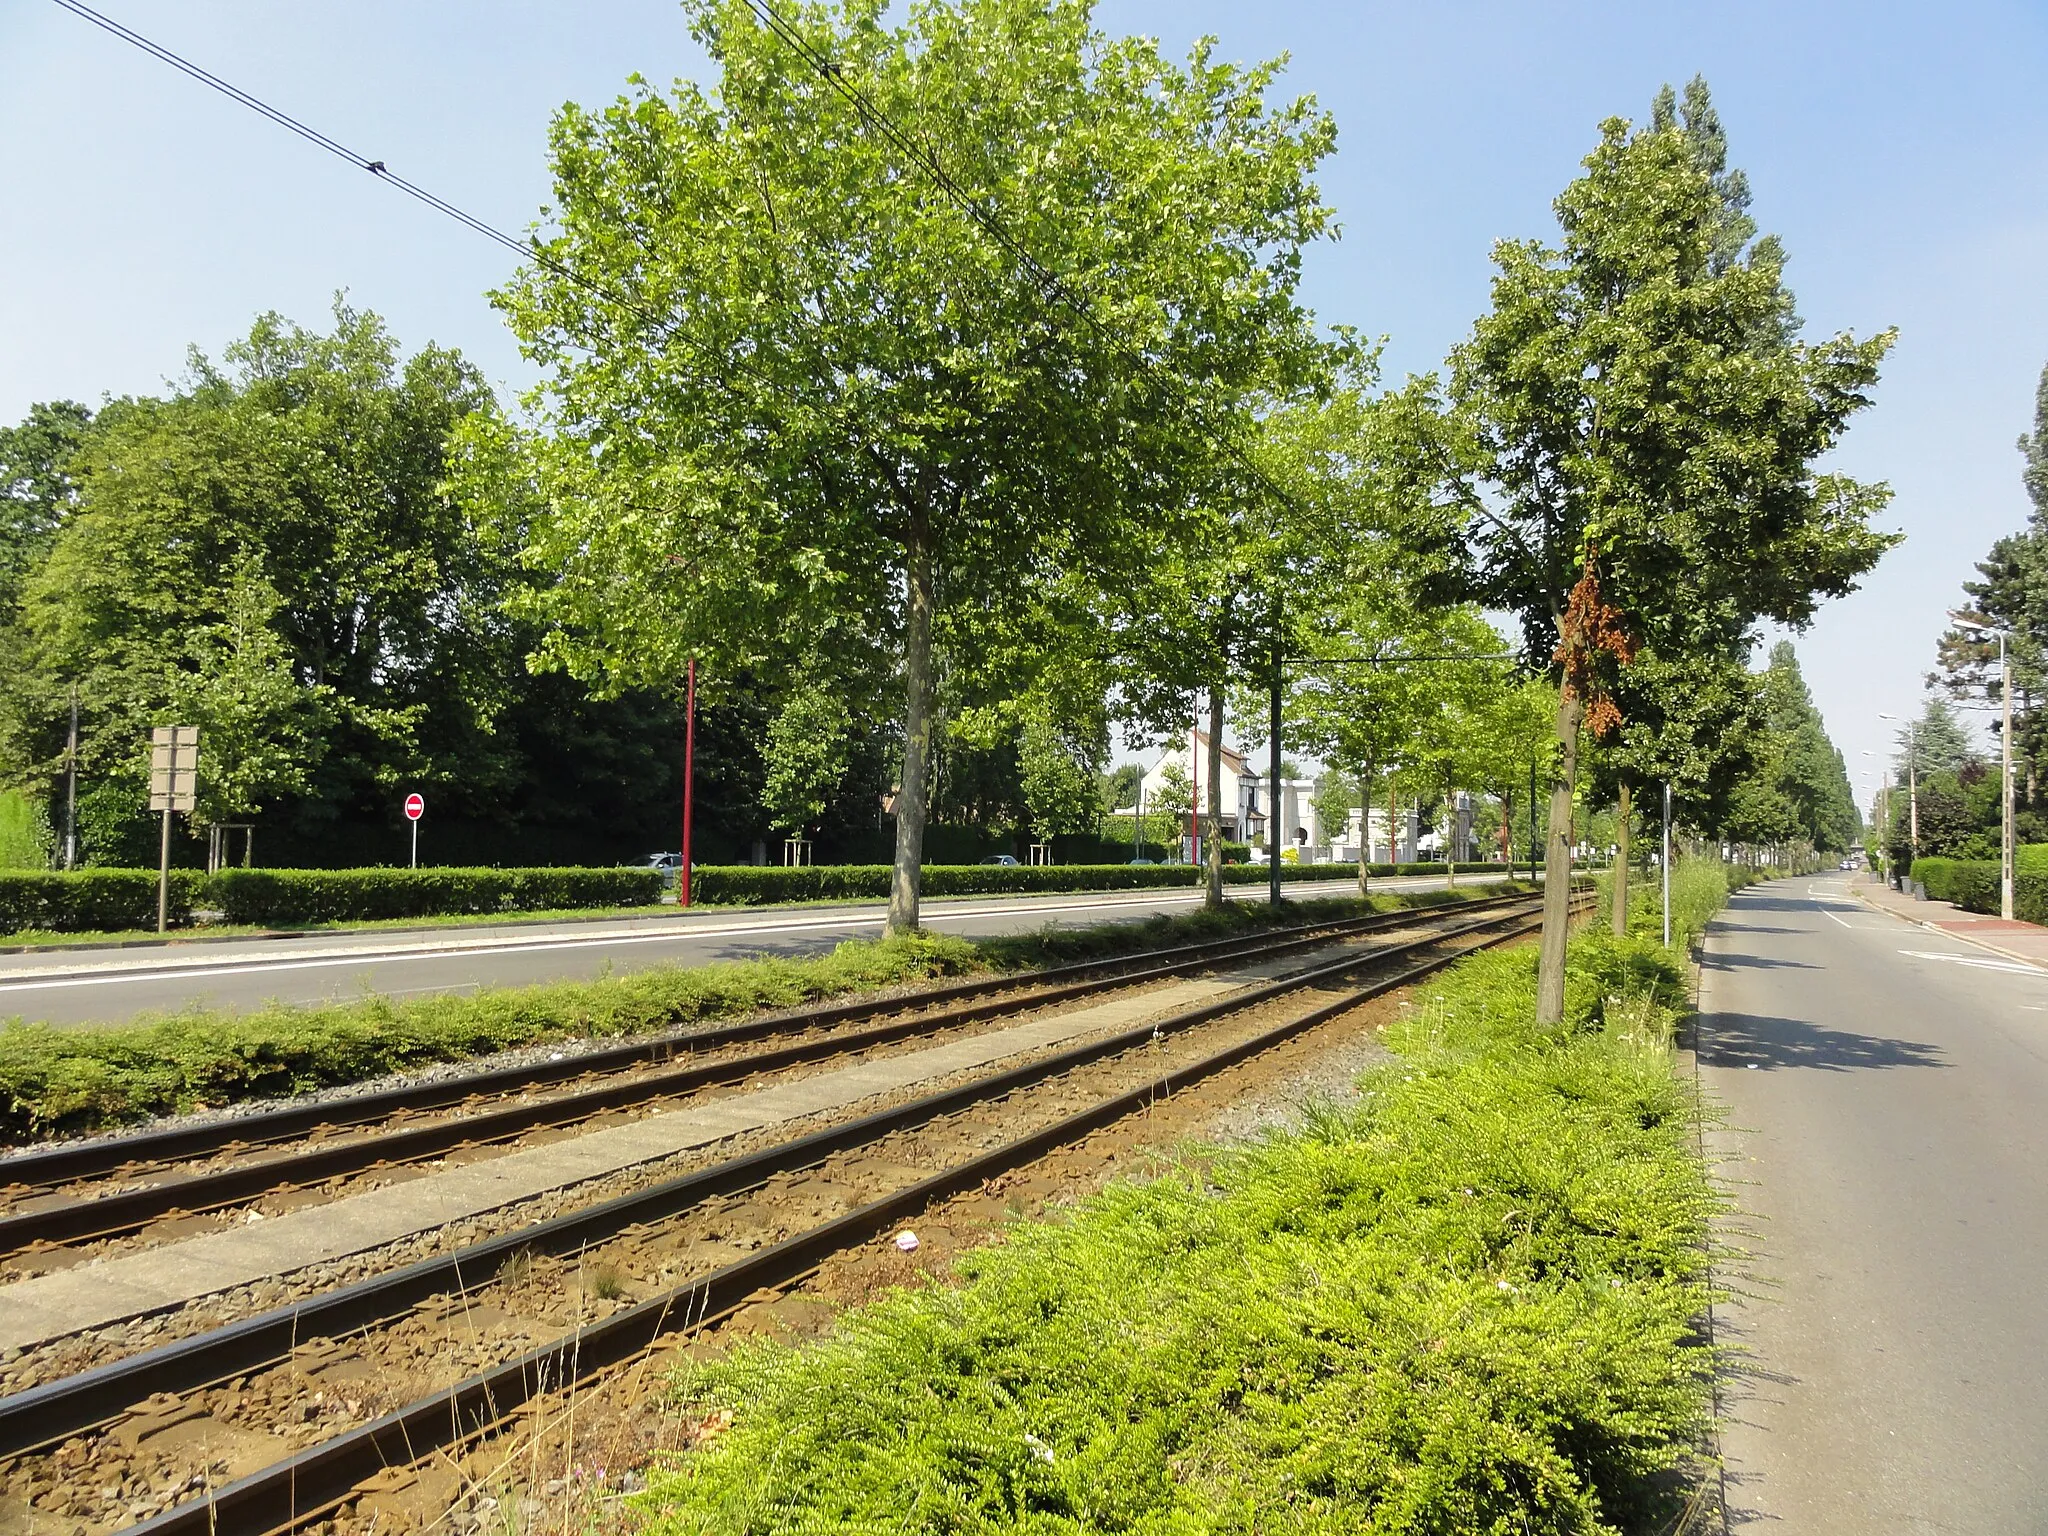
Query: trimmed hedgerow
x,y
361,895
1466,1305
84,900
747,885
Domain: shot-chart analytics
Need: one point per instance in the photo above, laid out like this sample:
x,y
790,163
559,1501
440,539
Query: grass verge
x,y
1466,1305
74,1080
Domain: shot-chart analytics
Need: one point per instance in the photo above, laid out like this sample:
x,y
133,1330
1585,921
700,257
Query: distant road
x,y
105,986
1886,1143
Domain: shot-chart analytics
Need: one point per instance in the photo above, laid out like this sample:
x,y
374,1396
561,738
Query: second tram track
x,y
54,1206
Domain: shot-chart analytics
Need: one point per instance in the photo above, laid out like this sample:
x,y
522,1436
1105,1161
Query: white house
x,y
1247,806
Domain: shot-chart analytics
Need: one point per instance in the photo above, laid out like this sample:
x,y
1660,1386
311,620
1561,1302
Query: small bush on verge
x,y
1465,1306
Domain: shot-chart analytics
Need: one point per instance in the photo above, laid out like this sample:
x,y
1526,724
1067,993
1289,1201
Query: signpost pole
x,y
163,879
415,808
689,780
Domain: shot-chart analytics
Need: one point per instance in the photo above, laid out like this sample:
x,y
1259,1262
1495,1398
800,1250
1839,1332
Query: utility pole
x,y
71,787
1912,778
1273,768
2006,850
689,781
1532,819
1667,863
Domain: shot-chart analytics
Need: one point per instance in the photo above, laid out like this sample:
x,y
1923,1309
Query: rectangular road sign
x,y
173,767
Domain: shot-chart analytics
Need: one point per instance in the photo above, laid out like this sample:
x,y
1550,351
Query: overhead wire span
x,y
523,248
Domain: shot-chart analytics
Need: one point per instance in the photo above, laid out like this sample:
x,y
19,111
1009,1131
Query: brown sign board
x,y
173,767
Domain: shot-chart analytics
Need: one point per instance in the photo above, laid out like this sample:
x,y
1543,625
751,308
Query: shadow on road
x,y
1766,1042
1717,961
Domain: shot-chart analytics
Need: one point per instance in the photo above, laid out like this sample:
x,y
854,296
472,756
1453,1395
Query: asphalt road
x,y
106,986
1886,1091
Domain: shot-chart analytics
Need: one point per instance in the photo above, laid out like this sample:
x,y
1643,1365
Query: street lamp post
x,y
2006,849
1912,778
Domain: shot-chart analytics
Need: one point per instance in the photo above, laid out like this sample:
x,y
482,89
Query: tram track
x,y
315,1478
74,1194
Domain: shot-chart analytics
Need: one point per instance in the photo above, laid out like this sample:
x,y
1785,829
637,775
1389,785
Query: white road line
x,y
1973,961
1826,913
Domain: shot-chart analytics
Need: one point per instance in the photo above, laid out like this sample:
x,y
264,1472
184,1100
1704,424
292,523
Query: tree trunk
x,y
1621,814
1213,852
1365,830
907,878
1557,863
1393,837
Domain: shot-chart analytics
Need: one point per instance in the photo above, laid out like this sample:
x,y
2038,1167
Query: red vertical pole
x,y
689,781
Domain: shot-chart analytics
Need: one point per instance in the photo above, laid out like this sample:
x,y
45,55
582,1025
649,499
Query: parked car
x,y
1144,861
667,863
1000,858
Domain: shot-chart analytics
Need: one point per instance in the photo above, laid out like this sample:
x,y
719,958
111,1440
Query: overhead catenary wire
x,y
1042,276
524,248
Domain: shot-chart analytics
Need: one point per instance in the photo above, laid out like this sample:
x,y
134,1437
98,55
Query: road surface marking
x,y
1971,960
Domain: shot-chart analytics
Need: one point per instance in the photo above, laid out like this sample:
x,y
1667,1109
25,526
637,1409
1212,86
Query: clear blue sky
x,y
1900,150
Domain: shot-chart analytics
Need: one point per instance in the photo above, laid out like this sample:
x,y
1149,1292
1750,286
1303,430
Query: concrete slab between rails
x,y
2024,942
103,1292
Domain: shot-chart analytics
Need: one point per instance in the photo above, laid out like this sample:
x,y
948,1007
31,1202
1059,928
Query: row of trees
x,y
945,391
1960,809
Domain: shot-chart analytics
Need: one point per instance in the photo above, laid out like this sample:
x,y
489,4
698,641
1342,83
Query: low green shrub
x,y
1467,1305
86,900
357,895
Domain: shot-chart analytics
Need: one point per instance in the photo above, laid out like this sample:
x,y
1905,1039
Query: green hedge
x,y
112,900
748,885
90,899
359,895
1972,884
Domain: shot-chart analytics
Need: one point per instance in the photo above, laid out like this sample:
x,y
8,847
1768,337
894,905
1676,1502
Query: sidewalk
x,y
2014,940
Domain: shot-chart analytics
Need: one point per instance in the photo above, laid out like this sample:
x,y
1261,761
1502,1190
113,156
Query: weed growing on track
x,y
1465,1306
86,1079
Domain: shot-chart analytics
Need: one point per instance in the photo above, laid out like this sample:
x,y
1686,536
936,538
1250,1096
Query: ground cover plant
x,y
1466,1305
58,1080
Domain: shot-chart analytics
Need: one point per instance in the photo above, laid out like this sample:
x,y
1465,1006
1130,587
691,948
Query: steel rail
x,y
70,1163
314,1481
54,1411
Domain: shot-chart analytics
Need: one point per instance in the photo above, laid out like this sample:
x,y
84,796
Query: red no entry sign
x,y
415,807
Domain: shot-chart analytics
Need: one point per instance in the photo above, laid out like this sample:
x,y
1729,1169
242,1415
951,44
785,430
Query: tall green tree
x,y
1640,430
38,487
831,396
2011,595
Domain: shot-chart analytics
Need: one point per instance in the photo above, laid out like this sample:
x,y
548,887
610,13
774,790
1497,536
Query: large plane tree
x,y
892,330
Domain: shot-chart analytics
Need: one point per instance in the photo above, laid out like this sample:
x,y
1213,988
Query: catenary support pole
x,y
1273,821
1533,849
689,780
71,787
1667,866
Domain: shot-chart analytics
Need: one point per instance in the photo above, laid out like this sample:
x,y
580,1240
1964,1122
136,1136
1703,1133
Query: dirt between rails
x,y
565,1462
20,1370
176,1228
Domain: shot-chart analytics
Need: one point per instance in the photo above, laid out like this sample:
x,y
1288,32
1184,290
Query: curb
x,y
1921,922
